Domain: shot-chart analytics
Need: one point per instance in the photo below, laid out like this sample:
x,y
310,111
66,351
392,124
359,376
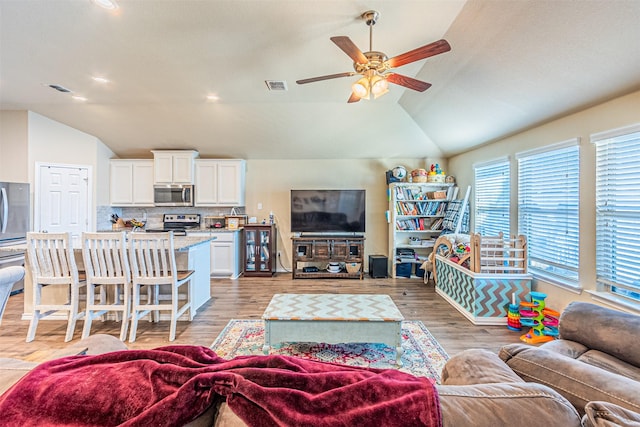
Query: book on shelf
x,y
408,193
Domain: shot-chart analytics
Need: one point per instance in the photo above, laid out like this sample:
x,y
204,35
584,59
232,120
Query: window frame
x,y
558,264
610,269
481,208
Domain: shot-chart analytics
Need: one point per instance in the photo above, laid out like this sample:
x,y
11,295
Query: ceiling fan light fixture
x,y
361,88
379,85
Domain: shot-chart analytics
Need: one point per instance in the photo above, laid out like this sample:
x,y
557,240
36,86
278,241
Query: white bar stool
x,y
106,266
52,264
153,264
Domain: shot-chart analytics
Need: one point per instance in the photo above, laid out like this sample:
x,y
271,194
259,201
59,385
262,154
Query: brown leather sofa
x,y
477,389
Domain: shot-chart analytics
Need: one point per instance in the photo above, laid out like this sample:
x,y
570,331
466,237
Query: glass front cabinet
x,y
260,249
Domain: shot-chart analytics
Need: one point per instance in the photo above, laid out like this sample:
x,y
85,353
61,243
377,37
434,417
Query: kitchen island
x,y
192,253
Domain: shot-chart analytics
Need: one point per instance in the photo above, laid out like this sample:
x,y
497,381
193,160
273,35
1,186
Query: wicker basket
x,y
436,178
352,267
418,175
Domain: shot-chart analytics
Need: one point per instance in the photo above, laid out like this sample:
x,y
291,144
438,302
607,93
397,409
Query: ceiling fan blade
x,y
353,98
408,82
423,52
348,47
327,77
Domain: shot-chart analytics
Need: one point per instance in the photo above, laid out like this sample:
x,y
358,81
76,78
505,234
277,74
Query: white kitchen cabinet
x,y
225,253
174,166
131,182
219,182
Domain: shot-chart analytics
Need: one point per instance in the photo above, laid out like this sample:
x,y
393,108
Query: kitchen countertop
x,y
181,243
214,230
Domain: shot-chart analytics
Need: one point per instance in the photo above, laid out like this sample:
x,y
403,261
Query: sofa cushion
x,y
477,366
605,414
610,363
569,348
504,404
577,381
601,328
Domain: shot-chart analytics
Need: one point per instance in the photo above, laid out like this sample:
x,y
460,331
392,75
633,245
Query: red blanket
x,y
171,386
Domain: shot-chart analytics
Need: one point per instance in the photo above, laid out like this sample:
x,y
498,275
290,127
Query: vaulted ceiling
x,y
513,65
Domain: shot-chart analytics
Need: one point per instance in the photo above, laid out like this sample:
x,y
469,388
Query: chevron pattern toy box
x,y
482,298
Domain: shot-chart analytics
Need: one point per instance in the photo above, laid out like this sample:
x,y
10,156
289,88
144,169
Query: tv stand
x,y
320,250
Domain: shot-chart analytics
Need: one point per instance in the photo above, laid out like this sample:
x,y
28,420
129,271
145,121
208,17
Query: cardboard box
x,y
436,195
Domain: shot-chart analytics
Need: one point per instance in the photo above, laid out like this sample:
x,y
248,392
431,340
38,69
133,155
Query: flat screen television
x,y
327,211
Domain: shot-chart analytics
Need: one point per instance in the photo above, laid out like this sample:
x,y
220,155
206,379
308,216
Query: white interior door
x,y
62,199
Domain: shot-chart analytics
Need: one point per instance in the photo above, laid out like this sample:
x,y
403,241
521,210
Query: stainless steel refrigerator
x,y
14,224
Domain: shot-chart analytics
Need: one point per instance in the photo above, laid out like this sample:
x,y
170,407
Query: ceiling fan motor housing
x,y
376,61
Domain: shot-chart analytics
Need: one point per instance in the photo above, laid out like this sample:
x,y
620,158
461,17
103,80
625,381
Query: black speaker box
x,y
378,266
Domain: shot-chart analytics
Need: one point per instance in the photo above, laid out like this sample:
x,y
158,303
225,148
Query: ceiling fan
x,y
375,66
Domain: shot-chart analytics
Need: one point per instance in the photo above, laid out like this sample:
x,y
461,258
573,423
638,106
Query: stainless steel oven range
x,y
178,223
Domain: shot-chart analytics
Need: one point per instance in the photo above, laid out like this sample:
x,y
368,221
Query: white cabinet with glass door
x,y
259,249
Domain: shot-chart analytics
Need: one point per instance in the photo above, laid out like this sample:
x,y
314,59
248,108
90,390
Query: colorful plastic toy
x,y
543,321
513,318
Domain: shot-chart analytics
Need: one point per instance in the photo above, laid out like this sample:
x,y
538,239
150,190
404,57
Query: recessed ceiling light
x,y
100,79
79,98
213,98
107,4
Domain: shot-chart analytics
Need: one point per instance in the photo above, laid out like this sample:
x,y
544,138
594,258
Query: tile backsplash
x,y
153,216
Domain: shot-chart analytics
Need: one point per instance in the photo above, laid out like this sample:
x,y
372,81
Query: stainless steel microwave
x,y
173,195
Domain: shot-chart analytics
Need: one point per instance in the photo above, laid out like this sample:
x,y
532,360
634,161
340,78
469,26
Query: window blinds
x,y
618,212
492,195
548,211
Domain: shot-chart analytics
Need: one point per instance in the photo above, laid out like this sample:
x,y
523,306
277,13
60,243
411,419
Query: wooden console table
x,y
319,251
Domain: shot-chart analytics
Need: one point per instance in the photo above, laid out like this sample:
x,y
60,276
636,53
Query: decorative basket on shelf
x,y
436,178
352,267
419,175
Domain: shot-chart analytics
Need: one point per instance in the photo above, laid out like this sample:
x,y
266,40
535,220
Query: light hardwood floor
x,y
246,298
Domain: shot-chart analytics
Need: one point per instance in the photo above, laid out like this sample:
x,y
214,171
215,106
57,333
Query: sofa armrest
x,y
579,382
601,328
605,414
11,370
93,344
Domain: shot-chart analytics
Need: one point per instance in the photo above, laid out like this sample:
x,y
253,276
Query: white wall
x,y
613,114
270,181
13,146
27,137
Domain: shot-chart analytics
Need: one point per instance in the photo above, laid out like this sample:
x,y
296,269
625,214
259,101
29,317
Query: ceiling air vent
x,y
60,88
277,85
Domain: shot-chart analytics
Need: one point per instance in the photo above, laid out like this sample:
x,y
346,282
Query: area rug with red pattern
x,y
423,356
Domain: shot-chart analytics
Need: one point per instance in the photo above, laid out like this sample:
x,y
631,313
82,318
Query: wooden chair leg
x,y
88,317
73,316
174,315
33,325
125,312
135,305
35,316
